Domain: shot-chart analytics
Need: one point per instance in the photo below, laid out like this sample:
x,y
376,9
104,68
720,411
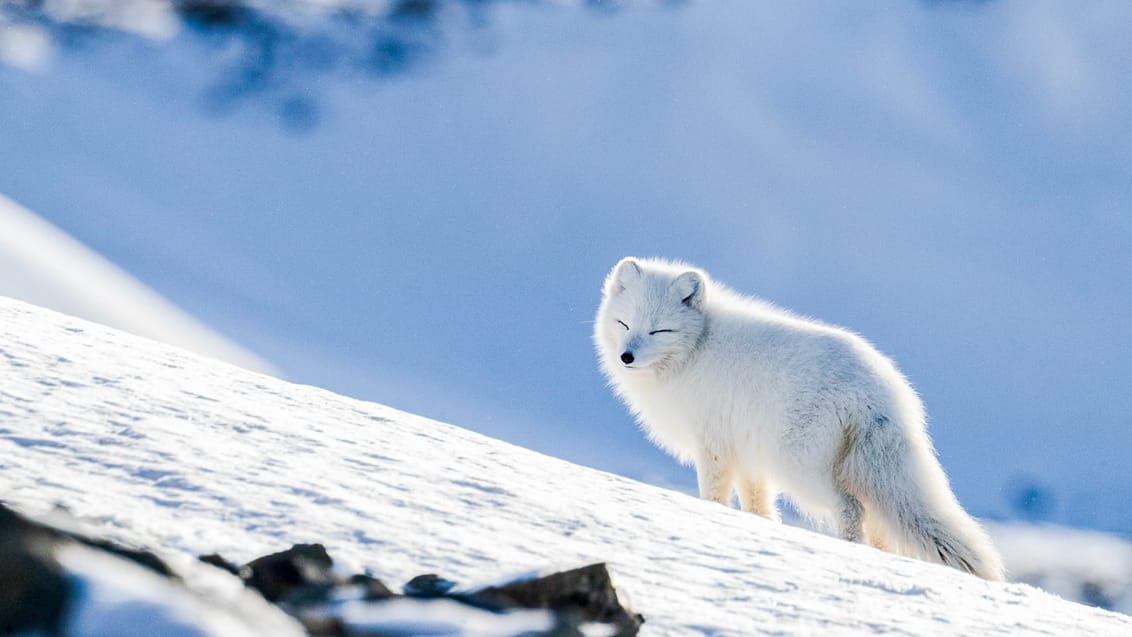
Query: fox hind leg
x,y
875,531
850,519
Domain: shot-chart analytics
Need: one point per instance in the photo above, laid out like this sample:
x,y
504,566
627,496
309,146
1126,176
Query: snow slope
x,y
41,264
950,179
153,445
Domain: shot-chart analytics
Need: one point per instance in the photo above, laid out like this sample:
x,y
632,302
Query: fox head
x,y
651,315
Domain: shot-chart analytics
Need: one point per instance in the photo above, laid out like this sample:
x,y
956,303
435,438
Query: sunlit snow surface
x,y
949,179
150,444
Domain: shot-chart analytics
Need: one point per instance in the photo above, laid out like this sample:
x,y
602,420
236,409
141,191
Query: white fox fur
x,y
766,401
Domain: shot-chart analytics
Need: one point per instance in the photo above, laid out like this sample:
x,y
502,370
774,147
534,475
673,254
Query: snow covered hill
x,y
949,179
155,446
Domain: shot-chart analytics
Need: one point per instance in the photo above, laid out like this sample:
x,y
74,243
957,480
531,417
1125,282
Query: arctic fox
x,y
764,401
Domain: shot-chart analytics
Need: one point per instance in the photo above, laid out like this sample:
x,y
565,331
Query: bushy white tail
x,y
952,538
910,509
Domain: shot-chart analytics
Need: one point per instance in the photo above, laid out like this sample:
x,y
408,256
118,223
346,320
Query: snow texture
x,y
444,617
949,179
152,445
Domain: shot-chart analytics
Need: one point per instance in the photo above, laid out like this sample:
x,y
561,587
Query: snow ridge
x,y
155,446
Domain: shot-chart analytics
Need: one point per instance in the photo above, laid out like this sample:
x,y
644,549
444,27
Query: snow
x,y
156,446
1091,567
116,597
949,179
43,265
404,617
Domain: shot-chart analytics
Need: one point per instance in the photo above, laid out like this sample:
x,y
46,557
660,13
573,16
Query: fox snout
x,y
631,350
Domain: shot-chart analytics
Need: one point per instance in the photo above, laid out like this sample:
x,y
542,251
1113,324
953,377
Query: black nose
x,y
627,358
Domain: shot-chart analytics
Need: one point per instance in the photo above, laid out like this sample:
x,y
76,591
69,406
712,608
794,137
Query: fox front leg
x,y
713,474
756,496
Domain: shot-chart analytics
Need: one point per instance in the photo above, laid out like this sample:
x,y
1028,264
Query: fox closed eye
x,y
662,332
623,324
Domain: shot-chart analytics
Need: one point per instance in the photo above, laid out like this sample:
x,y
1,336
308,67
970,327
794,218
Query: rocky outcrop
x,y
302,581
40,593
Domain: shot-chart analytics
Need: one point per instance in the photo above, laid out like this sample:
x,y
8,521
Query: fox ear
x,y
625,273
689,288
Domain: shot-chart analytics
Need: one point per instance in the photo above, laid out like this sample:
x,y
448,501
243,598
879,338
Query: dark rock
x,y
372,588
38,595
13,520
584,594
34,590
321,626
218,561
280,574
428,585
142,558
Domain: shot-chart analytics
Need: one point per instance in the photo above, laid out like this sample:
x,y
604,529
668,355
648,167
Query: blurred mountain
x,y
40,264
